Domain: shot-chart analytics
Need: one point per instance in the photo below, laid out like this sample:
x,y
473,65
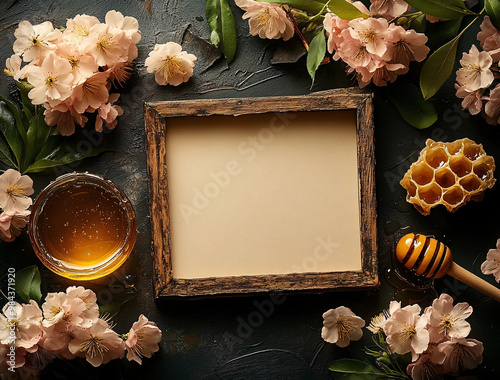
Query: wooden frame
x,y
157,117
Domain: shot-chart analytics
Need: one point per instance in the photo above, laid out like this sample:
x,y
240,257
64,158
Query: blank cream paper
x,y
263,194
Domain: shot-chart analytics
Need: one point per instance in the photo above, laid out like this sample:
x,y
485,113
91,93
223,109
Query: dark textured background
x,y
201,339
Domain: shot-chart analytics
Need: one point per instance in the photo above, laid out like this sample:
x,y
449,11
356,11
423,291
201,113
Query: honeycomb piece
x,y
450,174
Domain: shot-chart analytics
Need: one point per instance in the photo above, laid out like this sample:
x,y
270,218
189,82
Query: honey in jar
x,y
82,226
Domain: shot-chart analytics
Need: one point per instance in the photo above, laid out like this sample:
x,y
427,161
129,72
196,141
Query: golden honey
x,y
82,226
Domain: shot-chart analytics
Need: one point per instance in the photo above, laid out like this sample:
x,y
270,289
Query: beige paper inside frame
x,y
263,194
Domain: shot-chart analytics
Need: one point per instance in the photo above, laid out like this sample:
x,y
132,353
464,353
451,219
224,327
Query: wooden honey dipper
x,y
430,258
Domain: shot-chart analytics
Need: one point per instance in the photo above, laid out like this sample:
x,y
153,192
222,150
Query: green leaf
x,y
223,28
493,10
37,135
316,53
438,68
28,282
10,132
310,6
410,103
62,159
345,10
5,155
355,367
449,9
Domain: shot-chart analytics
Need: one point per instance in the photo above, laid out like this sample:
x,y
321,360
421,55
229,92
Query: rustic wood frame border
x,y
156,116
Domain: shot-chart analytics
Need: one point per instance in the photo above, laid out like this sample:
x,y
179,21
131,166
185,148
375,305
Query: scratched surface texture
x,y
261,337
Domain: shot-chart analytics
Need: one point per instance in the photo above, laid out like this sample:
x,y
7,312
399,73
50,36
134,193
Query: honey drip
x,y
83,225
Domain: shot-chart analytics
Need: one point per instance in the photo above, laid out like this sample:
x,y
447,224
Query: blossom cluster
x,y
477,75
374,49
436,338
68,326
15,191
72,71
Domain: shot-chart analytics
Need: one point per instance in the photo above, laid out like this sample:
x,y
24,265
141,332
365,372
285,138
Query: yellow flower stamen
x,y
103,44
368,36
345,326
80,31
55,310
50,81
360,54
94,347
14,190
408,333
73,61
263,19
172,66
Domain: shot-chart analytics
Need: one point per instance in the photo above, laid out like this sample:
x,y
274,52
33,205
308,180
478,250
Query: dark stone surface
x,y
207,339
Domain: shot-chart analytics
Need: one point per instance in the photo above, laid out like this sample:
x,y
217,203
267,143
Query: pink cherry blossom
x,y
58,307
334,26
387,72
460,353
107,44
492,263
91,93
25,320
372,33
78,28
267,20
65,117
475,72
82,65
406,331
89,298
107,114
130,26
98,344
425,369
492,106
15,190
341,325
33,41
472,100
489,38
142,340
170,64
449,320
12,225
408,45
52,81
389,8
434,19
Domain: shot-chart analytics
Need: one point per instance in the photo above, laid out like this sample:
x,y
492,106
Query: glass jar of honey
x,y
82,226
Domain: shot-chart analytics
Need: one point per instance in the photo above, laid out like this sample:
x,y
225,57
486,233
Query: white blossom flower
x,y
475,72
51,81
448,320
267,20
34,41
341,325
170,64
25,320
15,190
406,331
